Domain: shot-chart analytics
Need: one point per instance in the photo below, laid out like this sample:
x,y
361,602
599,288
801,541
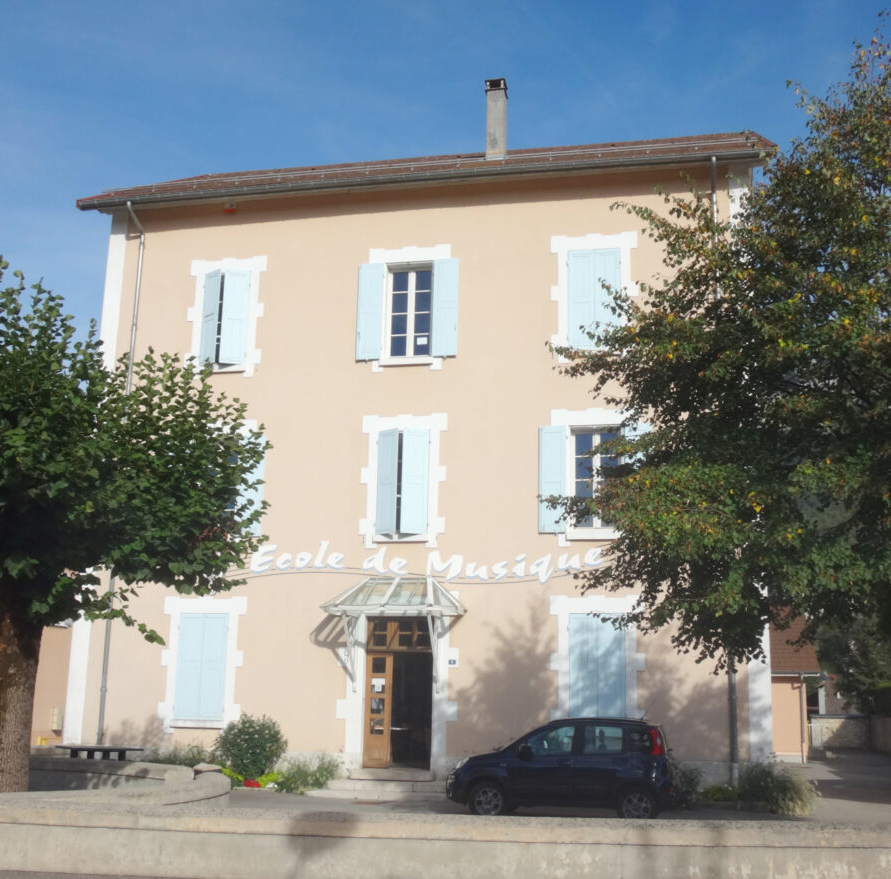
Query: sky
x,y
99,94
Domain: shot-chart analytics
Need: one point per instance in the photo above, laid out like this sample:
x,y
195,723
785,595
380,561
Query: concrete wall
x,y
51,687
244,844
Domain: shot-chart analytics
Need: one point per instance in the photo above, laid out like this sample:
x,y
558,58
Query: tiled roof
x,y
788,659
741,147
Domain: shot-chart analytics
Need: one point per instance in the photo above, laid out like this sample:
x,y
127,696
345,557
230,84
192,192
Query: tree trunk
x,y
19,652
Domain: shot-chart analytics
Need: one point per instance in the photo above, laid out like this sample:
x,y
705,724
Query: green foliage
x,y
762,359
296,775
859,654
687,780
97,471
250,746
776,788
179,755
103,469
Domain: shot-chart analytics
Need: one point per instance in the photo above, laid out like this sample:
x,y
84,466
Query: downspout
x,y
802,707
106,647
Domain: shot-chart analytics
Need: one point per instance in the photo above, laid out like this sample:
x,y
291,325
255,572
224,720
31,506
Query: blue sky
x,y
97,94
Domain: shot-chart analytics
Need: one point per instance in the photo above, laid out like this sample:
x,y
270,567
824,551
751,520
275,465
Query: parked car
x,y
586,761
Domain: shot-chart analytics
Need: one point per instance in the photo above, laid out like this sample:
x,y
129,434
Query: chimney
x,y
496,118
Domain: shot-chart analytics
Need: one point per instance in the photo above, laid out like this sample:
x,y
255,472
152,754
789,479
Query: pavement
x,y
854,789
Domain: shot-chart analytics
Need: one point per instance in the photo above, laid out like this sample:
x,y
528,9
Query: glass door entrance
x,y
398,693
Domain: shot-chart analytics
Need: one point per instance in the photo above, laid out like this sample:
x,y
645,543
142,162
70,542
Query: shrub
x,y
178,755
251,746
298,775
686,780
777,789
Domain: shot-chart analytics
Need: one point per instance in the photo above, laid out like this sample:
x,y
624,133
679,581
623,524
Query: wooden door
x,y
378,709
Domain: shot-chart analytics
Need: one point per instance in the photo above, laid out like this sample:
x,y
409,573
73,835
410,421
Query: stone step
x,y
365,784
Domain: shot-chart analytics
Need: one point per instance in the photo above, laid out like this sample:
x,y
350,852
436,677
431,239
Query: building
x,y
388,323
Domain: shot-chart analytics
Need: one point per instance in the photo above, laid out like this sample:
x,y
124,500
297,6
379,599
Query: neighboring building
x,y
387,322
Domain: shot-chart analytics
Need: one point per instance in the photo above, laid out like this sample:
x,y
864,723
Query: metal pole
x,y
733,721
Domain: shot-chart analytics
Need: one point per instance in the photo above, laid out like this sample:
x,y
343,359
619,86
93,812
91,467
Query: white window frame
x,y
373,425
561,245
200,268
402,259
594,420
562,606
175,606
412,269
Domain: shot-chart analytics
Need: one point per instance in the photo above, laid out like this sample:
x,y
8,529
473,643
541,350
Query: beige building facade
x,y
388,324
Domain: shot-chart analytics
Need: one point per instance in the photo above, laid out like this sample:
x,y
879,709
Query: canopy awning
x,y
395,596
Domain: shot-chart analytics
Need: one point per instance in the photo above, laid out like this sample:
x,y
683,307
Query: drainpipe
x,y
733,721
802,706
106,647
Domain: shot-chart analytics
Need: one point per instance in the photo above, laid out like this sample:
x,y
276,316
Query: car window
x,y
552,741
639,740
602,739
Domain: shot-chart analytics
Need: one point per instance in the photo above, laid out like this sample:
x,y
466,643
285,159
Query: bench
x,y
104,751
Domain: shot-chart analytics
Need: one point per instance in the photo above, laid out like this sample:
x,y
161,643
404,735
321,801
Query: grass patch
x,y
296,775
777,789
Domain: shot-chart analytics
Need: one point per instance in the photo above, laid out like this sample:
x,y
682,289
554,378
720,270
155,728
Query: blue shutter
x,y
369,320
234,323
596,667
445,308
254,496
415,472
201,667
210,309
387,472
587,271
551,476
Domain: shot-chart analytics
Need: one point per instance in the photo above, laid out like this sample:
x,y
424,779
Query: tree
x,y
859,654
145,478
762,360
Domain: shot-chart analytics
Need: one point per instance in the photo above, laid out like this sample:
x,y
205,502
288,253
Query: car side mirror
x,y
524,752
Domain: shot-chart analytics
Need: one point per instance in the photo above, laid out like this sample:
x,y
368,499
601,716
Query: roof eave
x,y
482,173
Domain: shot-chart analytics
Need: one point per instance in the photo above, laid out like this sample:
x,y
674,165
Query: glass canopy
x,y
409,596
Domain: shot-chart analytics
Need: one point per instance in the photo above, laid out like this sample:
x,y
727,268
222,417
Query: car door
x,y
598,762
541,768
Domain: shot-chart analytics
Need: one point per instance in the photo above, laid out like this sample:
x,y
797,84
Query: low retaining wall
x,y
832,732
880,732
248,843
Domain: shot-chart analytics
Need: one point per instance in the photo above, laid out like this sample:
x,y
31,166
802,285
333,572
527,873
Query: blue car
x,y
586,761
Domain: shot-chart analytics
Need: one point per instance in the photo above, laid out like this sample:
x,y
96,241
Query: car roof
x,y
632,720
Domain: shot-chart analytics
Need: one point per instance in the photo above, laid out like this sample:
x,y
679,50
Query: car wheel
x,y
636,802
487,798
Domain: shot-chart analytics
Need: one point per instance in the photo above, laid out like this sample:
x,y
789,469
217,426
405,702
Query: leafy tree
x,y
859,654
762,360
146,479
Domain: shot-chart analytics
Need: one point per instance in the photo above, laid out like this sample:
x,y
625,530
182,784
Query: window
x,y
225,313
586,266
586,465
403,476
604,739
201,662
408,306
557,740
408,320
567,467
